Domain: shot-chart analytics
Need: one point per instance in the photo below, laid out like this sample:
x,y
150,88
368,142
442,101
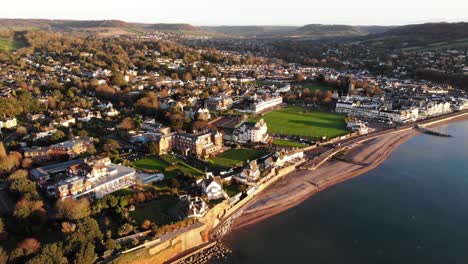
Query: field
x,y
236,157
10,44
287,144
157,211
155,163
297,121
152,163
314,87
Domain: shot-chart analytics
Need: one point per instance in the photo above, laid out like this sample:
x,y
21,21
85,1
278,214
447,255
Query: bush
x,y
30,245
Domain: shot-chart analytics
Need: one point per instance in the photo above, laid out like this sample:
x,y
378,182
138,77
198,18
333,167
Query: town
x,y
113,145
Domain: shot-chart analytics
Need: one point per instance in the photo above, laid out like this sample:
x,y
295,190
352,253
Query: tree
x,y
59,135
111,145
68,227
21,130
3,256
299,77
3,231
146,224
50,254
118,78
187,77
86,254
30,245
125,229
27,163
127,124
22,187
3,153
72,209
19,174
25,208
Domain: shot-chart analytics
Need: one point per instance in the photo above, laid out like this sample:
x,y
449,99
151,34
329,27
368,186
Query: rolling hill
x,y
423,36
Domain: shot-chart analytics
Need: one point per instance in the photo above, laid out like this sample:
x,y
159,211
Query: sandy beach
x,y
300,185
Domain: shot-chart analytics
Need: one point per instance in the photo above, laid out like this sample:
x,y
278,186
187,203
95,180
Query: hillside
x,y
432,30
171,27
428,36
251,31
330,31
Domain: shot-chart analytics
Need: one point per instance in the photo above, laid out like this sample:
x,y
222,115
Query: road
x,y
318,161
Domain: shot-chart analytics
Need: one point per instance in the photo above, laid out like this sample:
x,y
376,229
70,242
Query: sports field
x,y
237,157
298,121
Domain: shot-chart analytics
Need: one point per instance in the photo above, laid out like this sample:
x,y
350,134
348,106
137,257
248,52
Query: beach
x,y
301,184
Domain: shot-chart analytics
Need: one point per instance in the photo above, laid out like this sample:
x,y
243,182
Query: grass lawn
x,y
315,87
233,189
287,144
297,121
236,157
152,163
155,163
10,44
157,211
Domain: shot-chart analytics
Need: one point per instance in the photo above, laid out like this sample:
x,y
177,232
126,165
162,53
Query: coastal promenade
x,y
364,154
289,188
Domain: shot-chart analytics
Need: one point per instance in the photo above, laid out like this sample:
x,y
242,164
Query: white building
x,y
261,105
213,187
8,123
251,132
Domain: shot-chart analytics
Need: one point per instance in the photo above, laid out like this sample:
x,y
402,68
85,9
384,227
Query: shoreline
x,y
300,185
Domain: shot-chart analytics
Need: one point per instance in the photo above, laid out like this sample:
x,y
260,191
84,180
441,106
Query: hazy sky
x,y
243,12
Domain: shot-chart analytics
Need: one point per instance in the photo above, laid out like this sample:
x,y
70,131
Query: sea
x,y
413,208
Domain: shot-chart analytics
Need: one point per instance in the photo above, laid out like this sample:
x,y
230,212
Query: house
x,y
105,105
194,113
213,187
112,112
44,132
255,132
65,122
358,126
251,172
71,148
8,122
218,103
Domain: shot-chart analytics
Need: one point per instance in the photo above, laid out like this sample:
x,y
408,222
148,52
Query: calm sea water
x,y
413,208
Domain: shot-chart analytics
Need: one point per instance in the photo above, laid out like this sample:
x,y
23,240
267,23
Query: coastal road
x,y
320,160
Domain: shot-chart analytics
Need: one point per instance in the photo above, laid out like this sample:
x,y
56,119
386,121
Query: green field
x,y
314,87
297,121
157,211
9,44
152,163
155,163
287,144
236,157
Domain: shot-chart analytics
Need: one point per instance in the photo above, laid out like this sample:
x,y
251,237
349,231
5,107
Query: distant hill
x,y
171,27
63,25
330,31
432,30
315,31
428,36
251,31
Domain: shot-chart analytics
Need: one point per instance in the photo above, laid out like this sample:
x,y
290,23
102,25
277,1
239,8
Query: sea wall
x,y
170,245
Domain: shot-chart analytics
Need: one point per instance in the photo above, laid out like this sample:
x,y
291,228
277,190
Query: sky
x,y
244,12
